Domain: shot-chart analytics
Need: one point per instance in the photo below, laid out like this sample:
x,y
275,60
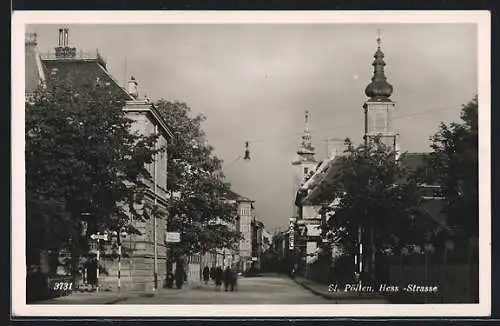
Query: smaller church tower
x,y
379,107
304,160
304,163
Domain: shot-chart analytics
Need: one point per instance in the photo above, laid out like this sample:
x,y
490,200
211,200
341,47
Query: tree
x,y
81,157
372,191
453,164
198,205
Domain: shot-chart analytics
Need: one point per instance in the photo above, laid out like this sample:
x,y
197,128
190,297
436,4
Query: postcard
x,y
251,164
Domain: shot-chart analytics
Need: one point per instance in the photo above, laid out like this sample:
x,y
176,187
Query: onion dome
x,y
379,89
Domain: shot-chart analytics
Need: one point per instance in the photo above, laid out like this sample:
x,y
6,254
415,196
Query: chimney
x,y
66,37
63,51
60,37
132,88
30,39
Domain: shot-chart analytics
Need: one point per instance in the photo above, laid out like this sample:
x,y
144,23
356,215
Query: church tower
x,y
304,162
379,107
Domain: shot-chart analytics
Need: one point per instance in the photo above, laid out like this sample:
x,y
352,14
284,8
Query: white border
x,y
20,19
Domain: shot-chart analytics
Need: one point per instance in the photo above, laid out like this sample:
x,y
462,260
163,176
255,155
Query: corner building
x,y
66,63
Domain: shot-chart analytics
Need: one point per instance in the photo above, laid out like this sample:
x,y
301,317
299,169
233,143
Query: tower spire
x,y
307,120
379,89
306,151
306,145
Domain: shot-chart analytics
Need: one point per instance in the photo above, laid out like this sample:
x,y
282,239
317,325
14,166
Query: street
x,y
266,289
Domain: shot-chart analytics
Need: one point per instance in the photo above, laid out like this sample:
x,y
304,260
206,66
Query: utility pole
x,y
98,237
119,235
119,261
360,226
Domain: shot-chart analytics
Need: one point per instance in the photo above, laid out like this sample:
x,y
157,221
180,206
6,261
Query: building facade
x,y
246,220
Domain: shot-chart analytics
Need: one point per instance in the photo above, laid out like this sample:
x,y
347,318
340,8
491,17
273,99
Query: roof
x,y
232,195
413,161
145,106
318,174
433,209
83,72
326,179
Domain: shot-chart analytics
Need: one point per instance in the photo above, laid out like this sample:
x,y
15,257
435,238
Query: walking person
x,y
180,275
92,273
36,285
206,274
234,281
228,279
218,276
212,273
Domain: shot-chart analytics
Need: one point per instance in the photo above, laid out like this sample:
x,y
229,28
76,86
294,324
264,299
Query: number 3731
x,y
63,286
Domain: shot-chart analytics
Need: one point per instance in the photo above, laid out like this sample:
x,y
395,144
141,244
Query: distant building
x,y
257,243
227,256
239,256
307,217
82,69
246,219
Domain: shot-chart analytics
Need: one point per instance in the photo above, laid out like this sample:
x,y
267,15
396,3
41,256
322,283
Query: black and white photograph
x,y
251,164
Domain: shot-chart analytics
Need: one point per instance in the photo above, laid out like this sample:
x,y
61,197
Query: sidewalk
x,y
339,296
102,297
114,297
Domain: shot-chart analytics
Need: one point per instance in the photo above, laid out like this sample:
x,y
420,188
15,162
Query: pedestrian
x,y
92,273
234,281
170,280
206,274
179,275
228,279
212,273
218,276
36,285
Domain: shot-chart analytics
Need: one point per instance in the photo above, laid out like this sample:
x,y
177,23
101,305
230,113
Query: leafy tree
x,y
373,192
198,205
453,164
81,157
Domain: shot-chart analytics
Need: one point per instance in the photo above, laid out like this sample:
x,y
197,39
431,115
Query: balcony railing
x,y
72,54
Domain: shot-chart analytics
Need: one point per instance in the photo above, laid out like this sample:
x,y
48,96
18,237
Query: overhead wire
x,y
344,125
339,126
234,161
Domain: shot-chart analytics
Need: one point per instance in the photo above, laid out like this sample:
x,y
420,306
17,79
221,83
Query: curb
x,y
147,295
116,300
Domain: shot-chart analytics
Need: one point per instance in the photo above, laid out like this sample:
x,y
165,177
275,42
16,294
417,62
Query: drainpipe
x,y
154,218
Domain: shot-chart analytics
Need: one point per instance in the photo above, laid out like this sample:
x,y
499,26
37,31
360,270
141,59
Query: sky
x,y
253,82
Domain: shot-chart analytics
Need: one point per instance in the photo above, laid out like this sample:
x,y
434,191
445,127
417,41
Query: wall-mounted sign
x,y
311,212
173,237
291,234
312,222
314,231
99,237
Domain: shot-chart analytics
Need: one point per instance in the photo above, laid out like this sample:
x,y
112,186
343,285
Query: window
x,y
380,121
306,170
